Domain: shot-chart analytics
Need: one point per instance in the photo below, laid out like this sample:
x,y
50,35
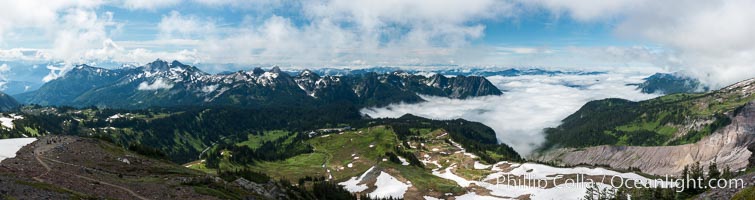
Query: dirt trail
x,y
41,148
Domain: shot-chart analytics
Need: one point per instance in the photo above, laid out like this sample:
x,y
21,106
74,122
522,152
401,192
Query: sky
x,y
708,39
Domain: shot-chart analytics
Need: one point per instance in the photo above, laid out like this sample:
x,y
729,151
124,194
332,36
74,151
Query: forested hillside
x,y
667,120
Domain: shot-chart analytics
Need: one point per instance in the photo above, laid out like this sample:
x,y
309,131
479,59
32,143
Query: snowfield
x,y
353,186
535,171
389,186
385,185
9,147
7,122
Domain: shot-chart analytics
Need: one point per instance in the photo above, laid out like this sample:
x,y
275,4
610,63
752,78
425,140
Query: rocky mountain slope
x,y
70,167
659,136
161,84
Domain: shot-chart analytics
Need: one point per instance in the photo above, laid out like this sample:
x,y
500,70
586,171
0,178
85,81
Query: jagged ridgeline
x,y
163,84
667,120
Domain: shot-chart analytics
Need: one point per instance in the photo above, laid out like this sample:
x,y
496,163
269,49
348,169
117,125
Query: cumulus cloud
x,y
149,4
709,39
343,32
174,25
528,105
4,69
157,85
35,14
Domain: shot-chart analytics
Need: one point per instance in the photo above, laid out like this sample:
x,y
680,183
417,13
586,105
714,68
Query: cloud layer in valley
x,y
529,104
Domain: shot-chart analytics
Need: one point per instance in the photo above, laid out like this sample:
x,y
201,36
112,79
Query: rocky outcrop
x,y
269,190
727,146
752,157
729,192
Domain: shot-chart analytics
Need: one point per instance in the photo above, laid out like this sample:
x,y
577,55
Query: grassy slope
x,y
659,121
335,152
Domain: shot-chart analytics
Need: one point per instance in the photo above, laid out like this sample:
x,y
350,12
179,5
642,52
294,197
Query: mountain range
x,y
163,84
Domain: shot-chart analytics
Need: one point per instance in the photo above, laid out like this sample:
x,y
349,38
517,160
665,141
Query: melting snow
x,y
352,185
478,165
9,147
540,171
403,161
7,122
388,186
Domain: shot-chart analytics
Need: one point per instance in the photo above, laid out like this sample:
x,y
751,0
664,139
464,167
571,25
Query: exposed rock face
x,y
752,157
269,190
727,146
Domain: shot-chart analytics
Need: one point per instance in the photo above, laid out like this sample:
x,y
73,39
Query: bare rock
x,y
732,145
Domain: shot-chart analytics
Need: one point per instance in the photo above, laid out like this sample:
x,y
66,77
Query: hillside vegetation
x,y
667,120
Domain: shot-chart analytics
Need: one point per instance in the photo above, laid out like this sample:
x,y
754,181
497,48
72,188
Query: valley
x,y
377,100
281,149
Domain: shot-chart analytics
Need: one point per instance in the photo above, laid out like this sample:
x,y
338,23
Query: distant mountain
x,y
163,84
467,71
24,76
7,102
18,87
665,83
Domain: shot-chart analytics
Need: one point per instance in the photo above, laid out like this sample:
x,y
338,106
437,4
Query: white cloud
x,y
35,14
4,68
709,39
337,31
529,104
175,25
149,4
22,54
157,85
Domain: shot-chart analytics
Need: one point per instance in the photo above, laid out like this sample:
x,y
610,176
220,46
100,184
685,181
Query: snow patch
x,y
9,147
403,161
353,186
388,186
7,122
478,165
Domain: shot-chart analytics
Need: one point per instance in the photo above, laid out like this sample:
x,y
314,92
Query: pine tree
x,y
713,173
727,173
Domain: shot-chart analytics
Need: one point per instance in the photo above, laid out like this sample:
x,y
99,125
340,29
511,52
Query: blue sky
x,y
677,35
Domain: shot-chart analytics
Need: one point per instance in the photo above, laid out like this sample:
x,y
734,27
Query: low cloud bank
x,y
529,104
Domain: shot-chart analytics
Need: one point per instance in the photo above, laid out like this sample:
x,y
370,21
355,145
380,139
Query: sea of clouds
x,y
529,104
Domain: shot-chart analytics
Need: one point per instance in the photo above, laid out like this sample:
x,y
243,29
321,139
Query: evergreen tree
x,y
727,173
713,173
